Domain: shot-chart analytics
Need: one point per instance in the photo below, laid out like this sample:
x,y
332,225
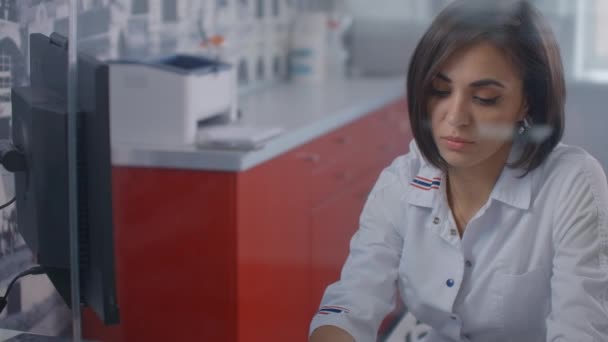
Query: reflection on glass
x,y
243,73
139,7
260,9
276,66
169,10
260,69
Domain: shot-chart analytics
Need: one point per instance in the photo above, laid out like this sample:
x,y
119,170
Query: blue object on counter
x,y
183,64
193,64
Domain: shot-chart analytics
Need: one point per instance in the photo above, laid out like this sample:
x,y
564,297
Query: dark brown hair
x,y
519,30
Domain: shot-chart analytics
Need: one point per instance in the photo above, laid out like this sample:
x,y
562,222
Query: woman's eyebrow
x,y
477,84
444,77
486,82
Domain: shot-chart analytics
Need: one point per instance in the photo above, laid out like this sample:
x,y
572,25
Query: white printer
x,y
163,102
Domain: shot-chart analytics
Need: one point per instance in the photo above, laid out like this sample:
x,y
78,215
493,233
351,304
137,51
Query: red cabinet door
x,y
332,227
175,254
273,247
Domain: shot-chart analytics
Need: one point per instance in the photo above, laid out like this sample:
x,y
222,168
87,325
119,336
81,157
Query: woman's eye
x,y
487,101
439,92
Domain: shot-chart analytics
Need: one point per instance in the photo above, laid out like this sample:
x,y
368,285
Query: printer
x,y
163,102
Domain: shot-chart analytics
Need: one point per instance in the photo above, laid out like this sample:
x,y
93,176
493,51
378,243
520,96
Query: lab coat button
x,y
450,282
436,220
468,263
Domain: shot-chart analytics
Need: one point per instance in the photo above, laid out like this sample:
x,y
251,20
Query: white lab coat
x,y
532,264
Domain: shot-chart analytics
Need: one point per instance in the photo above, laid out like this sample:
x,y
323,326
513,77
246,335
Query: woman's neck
x,y
468,189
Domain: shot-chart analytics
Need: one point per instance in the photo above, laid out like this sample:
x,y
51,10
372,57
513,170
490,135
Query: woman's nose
x,y
458,111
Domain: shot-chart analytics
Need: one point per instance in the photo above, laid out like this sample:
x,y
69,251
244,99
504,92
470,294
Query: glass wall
x,y
34,304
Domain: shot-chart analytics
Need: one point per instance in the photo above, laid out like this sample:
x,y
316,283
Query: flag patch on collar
x,y
325,310
425,183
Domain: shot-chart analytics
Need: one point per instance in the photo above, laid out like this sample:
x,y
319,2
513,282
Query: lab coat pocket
x,y
524,300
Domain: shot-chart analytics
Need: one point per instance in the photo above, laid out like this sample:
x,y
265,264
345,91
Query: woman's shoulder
x,y
571,169
571,161
577,191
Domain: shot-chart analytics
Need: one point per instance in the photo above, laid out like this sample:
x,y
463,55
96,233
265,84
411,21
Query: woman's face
x,y
476,101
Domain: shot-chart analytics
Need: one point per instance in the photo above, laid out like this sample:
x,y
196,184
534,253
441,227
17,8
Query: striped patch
x,y
425,183
328,309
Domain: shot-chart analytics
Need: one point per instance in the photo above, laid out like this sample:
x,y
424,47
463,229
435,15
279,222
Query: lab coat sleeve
x,y
364,295
579,285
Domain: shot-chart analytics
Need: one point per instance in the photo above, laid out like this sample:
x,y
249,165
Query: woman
x,y
490,228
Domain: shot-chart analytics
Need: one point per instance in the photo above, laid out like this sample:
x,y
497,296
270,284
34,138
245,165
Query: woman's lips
x,y
457,144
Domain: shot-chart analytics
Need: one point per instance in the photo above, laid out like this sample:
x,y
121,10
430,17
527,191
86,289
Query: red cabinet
x,y
243,256
273,251
332,226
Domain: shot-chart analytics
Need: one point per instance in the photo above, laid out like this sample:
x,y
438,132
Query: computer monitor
x,y
39,130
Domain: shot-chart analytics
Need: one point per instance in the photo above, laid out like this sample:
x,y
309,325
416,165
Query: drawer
x,y
398,107
368,130
330,148
363,187
378,151
332,227
386,140
368,144
395,117
327,182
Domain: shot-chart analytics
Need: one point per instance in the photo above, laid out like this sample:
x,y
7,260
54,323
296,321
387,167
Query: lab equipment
x,y
308,49
162,102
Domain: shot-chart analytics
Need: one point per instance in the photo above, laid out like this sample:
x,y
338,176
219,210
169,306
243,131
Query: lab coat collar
x,y
426,183
425,186
511,188
429,182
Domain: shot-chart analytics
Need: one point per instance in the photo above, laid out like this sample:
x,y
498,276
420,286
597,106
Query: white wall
x,y
389,9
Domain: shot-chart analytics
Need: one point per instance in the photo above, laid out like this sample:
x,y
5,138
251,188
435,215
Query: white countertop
x,y
304,111
13,335
6,334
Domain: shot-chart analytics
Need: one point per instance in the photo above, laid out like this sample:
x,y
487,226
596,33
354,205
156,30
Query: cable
x,y
31,271
11,158
8,203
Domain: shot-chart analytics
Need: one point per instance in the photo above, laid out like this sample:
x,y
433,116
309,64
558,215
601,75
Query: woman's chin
x,y
458,160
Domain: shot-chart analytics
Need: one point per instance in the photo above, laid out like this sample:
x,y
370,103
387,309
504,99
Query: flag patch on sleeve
x,y
329,309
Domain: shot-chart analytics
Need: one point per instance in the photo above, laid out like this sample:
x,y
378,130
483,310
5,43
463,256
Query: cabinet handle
x,y
314,158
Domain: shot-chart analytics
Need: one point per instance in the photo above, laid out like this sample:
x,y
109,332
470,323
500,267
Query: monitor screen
x,y
39,130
